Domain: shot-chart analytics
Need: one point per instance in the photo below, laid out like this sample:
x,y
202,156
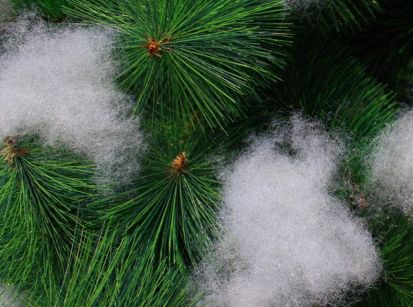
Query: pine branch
x,y
332,17
52,10
395,288
171,209
108,270
387,46
187,59
328,83
42,203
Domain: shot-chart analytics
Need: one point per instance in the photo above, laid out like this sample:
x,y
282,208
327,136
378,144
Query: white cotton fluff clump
x,y
286,241
8,297
58,84
392,164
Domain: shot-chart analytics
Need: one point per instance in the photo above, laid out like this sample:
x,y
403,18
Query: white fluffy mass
x,y
58,84
8,297
286,241
392,164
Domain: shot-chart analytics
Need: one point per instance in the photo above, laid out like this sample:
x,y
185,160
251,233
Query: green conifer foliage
x,y
185,58
42,205
205,77
105,269
50,9
387,45
395,287
171,208
327,83
332,16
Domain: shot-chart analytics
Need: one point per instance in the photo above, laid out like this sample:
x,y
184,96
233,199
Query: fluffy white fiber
x,y
286,241
58,84
392,164
8,297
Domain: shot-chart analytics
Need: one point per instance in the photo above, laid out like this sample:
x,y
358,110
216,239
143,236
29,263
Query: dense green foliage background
x,y
225,68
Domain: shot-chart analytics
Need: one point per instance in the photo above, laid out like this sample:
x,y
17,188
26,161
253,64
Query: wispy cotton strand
x,y
57,83
8,297
286,241
392,164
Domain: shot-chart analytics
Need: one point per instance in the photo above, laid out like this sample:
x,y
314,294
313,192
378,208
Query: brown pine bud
x,y
180,163
10,150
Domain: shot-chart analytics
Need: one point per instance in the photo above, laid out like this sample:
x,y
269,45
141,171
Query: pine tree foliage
x,y
42,204
204,75
395,288
103,271
332,16
328,83
186,59
50,9
171,209
387,45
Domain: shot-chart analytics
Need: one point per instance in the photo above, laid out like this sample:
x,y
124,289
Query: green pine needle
x,y
42,200
106,270
171,209
51,9
185,58
329,17
387,45
328,83
394,233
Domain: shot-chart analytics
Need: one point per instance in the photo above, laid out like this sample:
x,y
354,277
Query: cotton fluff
x,y
58,84
8,297
392,164
286,241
